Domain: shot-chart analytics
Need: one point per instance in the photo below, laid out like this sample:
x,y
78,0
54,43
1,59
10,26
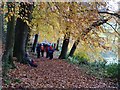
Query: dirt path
x,y
54,74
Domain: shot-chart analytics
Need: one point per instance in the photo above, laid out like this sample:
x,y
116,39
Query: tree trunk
x,y
1,29
65,46
35,42
28,39
57,44
3,33
21,32
74,47
1,24
119,58
119,62
8,54
63,54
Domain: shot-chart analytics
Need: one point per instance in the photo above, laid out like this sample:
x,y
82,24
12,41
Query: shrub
x,y
73,60
112,70
81,57
98,68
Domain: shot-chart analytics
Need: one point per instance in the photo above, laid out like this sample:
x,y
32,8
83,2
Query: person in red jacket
x,y
51,50
47,50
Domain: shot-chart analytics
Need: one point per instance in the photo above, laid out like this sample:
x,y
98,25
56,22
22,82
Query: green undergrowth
x,y
8,81
79,58
107,71
98,69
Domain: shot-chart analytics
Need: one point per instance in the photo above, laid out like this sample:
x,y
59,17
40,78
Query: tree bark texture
x,y
21,31
35,42
8,53
65,46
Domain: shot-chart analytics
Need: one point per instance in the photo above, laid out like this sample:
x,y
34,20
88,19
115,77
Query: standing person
x,y
42,50
51,50
38,50
47,50
54,45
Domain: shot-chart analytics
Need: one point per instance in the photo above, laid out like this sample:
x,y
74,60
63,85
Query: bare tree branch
x,y
113,29
114,14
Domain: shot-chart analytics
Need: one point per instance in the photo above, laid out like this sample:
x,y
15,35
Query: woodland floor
x,y
54,74
1,62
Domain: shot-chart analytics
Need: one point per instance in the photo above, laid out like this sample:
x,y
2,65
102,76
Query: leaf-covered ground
x,y
54,74
1,53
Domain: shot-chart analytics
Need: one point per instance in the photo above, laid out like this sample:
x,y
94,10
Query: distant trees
x,y
57,46
81,21
34,43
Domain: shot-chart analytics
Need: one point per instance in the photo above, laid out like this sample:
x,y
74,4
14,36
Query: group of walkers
x,y
45,47
41,49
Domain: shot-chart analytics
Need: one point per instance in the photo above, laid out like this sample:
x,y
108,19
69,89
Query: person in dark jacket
x,y
42,50
30,60
38,51
51,50
47,50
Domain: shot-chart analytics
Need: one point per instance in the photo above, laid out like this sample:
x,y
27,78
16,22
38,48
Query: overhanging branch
x,y
113,29
95,24
114,14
